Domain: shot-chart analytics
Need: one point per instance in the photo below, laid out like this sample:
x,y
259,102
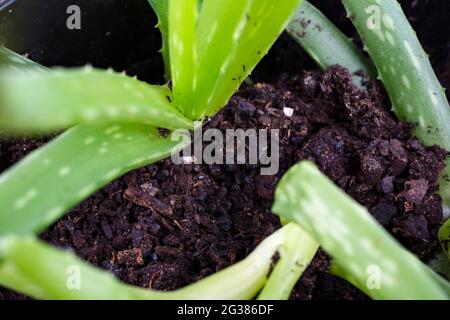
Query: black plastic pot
x,y
120,33
5,3
114,33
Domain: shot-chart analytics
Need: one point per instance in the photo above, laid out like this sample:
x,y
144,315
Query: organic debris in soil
x,y
165,225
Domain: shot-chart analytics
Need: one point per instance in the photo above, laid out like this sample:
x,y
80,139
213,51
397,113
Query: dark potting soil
x,y
165,225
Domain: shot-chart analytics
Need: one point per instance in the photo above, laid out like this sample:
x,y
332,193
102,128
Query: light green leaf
x,y
253,36
43,186
161,8
220,26
15,62
29,266
363,249
183,46
264,22
294,258
35,102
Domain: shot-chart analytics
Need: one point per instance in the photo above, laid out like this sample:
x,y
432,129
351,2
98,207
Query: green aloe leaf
x,y
39,102
15,62
183,16
294,258
362,249
253,36
325,43
219,28
444,237
44,185
161,8
26,263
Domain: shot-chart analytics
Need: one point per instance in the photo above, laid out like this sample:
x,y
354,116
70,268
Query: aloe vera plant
x,y
209,48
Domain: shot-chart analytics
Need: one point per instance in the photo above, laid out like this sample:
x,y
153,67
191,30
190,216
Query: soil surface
x,y
165,226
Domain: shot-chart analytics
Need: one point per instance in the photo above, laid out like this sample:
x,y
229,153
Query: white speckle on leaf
x,y
112,111
112,129
390,265
239,28
138,161
422,122
64,171
46,161
54,214
433,97
390,38
380,35
212,32
411,54
367,245
87,190
409,108
133,109
113,173
90,114
181,48
25,199
406,81
224,66
388,21
139,94
89,140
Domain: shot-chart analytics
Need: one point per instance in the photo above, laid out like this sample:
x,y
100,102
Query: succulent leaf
x,y
43,186
362,249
